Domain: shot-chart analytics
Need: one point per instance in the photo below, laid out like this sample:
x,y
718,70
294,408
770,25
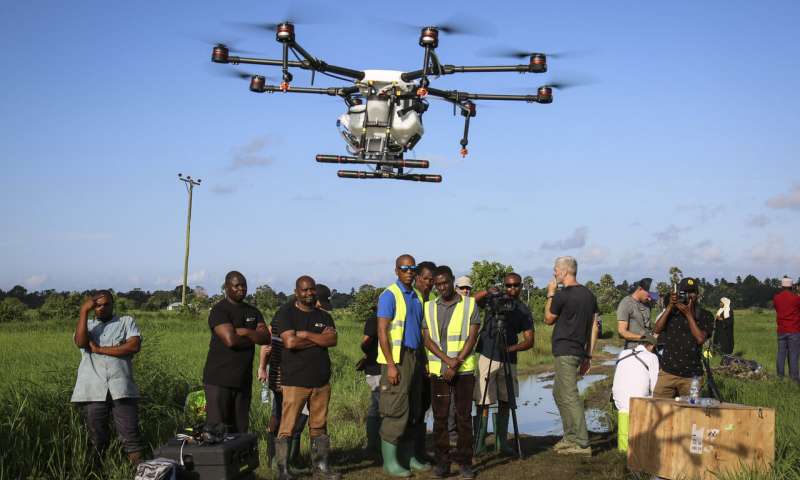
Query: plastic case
x,y
232,459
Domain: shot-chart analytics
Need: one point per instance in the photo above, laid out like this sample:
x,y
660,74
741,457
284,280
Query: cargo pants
x,y
400,405
569,401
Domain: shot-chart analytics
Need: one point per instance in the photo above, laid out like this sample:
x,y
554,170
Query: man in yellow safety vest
x,y
450,332
402,361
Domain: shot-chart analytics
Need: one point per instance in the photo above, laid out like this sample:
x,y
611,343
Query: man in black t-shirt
x,y
490,387
236,328
307,332
685,326
574,311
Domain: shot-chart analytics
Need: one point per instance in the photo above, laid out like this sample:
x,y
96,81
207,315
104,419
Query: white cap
x,y
463,281
786,282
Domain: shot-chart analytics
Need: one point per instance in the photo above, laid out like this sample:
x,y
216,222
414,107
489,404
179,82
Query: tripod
x,y
501,346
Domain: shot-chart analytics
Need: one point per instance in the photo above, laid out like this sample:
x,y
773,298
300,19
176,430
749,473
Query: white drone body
x,y
382,126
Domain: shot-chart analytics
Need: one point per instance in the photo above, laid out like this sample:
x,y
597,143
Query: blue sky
x,y
681,148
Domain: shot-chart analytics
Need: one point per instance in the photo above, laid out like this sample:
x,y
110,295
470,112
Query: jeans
x,y
789,345
568,400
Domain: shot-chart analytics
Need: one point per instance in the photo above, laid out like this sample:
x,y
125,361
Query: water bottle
x,y
265,398
694,391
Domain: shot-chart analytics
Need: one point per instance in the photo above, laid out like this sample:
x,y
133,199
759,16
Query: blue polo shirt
x,y
412,335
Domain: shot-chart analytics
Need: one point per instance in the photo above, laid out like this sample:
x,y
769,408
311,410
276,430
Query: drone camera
x,y
538,63
257,83
544,95
284,33
429,37
220,54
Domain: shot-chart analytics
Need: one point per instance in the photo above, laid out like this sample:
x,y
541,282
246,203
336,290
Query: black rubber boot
x,y
374,437
282,458
320,447
270,448
296,441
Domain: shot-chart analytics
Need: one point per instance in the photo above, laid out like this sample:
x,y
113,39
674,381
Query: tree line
x,y
20,304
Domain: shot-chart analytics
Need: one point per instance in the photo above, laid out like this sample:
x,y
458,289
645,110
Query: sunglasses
x,y
407,268
464,288
512,285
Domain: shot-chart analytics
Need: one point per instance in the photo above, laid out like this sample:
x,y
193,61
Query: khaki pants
x,y
496,383
671,386
569,401
294,399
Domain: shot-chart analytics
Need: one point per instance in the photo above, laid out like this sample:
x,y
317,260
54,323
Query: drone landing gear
x,y
386,168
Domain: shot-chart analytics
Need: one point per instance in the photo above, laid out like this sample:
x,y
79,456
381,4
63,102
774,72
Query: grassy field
x,y
42,435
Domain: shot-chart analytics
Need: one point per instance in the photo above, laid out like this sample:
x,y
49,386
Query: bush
x,y
60,307
12,309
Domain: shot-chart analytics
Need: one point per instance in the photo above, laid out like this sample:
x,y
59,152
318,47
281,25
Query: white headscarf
x,y
725,311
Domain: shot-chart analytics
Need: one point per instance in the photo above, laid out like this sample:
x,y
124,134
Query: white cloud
x,y
172,282
221,189
789,200
251,154
670,234
34,281
576,240
759,220
593,255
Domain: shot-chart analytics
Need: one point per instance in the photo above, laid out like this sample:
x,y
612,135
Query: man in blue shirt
x,y
105,376
402,359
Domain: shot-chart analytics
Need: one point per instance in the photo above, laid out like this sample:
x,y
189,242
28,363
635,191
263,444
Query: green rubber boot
x,y
481,425
501,433
390,464
407,455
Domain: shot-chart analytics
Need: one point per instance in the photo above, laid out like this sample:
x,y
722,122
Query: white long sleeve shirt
x,y
635,376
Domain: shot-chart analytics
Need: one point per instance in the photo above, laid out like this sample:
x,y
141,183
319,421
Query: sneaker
x,y
575,450
441,471
466,472
562,444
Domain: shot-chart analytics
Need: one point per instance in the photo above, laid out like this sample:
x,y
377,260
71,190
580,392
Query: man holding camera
x,y
633,314
574,311
236,327
508,316
450,332
685,327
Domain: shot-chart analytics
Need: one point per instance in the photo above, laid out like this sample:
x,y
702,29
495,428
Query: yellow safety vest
x,y
456,336
398,326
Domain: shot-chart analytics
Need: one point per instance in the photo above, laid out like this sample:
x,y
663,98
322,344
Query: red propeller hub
x,y
284,32
220,54
538,63
545,95
257,83
429,37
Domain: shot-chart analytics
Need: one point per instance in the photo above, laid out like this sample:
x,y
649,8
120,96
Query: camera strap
x,y
635,355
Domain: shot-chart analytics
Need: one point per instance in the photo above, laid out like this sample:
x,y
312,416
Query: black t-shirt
x,y
681,355
517,321
575,306
371,366
230,367
307,367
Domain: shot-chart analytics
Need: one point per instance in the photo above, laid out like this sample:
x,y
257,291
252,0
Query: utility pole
x,y
190,184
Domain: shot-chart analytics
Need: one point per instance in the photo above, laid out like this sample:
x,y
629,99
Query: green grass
x,y
42,435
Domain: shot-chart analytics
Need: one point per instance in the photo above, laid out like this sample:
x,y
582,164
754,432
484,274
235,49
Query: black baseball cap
x,y
644,284
688,285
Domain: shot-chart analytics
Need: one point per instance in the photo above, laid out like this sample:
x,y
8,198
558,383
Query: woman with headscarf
x,y
723,331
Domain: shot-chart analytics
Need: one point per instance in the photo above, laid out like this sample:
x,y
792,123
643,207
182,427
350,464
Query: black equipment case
x,y
232,459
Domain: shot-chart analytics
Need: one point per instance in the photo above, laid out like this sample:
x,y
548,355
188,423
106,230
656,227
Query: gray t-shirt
x,y
637,315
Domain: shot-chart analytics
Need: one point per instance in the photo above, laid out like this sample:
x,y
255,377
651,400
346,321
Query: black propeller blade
x,y
298,13
240,74
505,52
455,25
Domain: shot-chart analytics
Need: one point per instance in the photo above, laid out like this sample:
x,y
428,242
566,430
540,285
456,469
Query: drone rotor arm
x,y
451,69
456,96
320,66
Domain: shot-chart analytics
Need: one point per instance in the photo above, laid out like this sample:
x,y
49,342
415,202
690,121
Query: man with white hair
x,y
573,309
787,311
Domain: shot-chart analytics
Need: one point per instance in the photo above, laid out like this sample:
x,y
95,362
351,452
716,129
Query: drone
x,y
383,121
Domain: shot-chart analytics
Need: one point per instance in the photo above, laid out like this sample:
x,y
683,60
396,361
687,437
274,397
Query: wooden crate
x,y
674,440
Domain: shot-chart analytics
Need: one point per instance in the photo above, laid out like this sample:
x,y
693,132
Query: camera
x,y
683,297
500,303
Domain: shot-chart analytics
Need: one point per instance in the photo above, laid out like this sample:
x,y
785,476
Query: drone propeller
x,y
240,74
455,25
296,14
504,52
230,44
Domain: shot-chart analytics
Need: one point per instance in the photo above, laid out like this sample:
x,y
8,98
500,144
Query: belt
x,y
408,349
